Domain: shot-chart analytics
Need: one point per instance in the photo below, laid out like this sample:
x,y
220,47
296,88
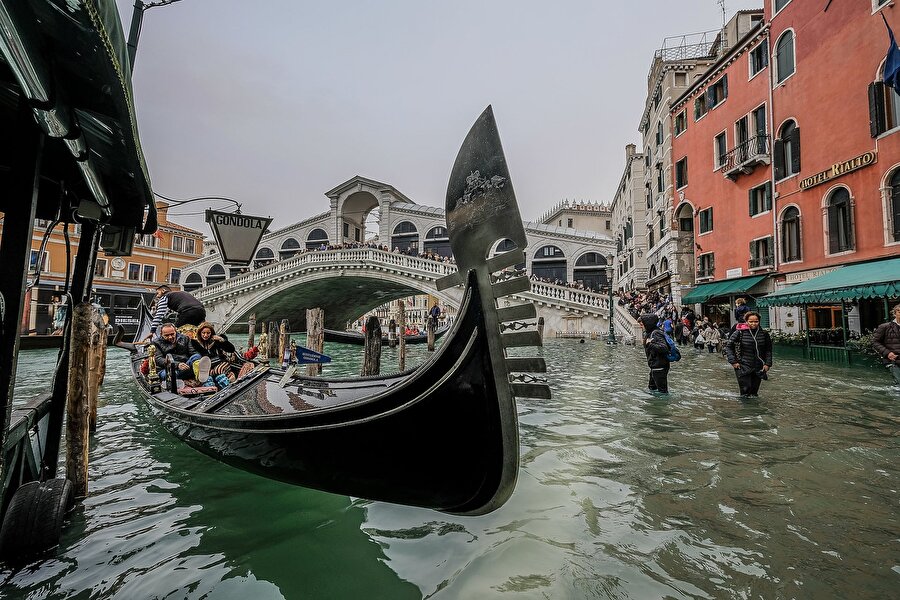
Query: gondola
x,y
442,436
353,337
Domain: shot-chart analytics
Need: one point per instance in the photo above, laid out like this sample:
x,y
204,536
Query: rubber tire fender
x,y
33,522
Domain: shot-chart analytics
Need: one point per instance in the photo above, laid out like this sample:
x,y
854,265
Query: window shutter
x,y
833,225
750,210
768,196
851,233
724,86
710,98
877,124
778,158
765,55
795,146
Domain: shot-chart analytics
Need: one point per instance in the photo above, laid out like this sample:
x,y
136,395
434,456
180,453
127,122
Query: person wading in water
x,y
750,353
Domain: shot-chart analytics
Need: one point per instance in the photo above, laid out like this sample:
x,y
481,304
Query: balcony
x,y
762,262
746,156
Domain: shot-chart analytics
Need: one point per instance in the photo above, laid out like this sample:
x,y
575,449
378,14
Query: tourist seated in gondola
x,y
217,348
174,346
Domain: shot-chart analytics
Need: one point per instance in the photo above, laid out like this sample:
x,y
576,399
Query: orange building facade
x,y
119,282
787,152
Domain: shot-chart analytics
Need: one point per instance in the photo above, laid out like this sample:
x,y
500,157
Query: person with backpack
x,y
713,337
750,353
657,349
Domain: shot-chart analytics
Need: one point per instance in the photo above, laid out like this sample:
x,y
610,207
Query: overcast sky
x,y
274,102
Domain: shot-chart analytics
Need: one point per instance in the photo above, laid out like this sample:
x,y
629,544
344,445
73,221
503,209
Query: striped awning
x,y
872,279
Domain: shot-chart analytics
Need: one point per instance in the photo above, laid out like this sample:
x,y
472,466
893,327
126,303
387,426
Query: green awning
x,y
727,287
873,279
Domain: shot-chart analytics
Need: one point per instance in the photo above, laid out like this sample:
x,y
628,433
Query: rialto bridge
x,y
310,264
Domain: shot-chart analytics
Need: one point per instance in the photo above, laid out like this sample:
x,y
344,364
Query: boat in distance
x,y
443,435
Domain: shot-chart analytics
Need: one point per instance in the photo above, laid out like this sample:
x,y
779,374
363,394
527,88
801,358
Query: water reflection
x,y
621,494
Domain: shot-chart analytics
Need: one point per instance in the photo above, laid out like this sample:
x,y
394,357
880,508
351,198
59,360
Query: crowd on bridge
x,y
410,251
577,285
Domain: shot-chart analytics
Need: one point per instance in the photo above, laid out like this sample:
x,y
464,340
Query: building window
x,y
660,180
650,241
761,254
784,56
609,224
659,133
149,273
787,151
720,151
100,267
680,123
356,234
759,59
149,240
706,265
175,276
570,222
779,4
177,243
895,206
346,230
706,220
700,107
681,175
134,272
33,262
717,92
681,79
662,227
840,221
189,246
761,199
790,235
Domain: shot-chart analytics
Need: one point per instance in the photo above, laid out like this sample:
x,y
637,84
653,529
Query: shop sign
x,y
842,168
732,273
806,275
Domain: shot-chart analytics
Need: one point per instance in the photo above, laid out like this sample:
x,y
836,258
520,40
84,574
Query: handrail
x,y
745,152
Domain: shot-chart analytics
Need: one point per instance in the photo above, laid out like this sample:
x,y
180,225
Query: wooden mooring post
x,y
96,367
284,343
429,330
77,399
273,341
372,357
392,333
401,333
251,331
315,337
540,327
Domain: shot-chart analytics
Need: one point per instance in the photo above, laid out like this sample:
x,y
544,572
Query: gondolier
x,y
190,310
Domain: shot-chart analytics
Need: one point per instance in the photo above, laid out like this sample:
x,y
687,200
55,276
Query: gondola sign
x,y
237,235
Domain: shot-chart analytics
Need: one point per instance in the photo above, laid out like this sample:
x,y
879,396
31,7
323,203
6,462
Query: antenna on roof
x,y
723,42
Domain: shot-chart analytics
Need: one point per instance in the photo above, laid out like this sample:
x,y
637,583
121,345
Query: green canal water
x,y
621,494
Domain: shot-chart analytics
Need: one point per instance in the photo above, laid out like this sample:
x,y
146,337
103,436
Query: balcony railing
x,y
761,262
744,157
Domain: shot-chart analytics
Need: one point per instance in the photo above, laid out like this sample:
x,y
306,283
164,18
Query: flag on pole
x,y
892,61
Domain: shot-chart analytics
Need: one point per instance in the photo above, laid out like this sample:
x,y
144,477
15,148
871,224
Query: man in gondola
x,y
176,347
190,310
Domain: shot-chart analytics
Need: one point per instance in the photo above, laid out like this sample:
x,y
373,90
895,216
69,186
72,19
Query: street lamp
x,y
611,338
137,19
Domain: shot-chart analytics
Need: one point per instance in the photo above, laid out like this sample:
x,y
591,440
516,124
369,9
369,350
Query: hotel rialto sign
x,y
842,168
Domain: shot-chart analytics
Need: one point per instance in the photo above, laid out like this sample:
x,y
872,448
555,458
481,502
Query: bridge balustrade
x,y
567,294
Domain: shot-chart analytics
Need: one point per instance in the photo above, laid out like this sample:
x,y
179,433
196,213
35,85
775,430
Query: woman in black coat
x,y
217,348
657,350
749,350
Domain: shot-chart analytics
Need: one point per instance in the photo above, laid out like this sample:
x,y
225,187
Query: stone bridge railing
x,y
558,296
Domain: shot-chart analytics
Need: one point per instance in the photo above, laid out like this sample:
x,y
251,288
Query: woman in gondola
x,y
217,348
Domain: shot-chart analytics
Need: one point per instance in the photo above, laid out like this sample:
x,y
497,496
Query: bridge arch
x,y
316,238
590,271
437,241
549,262
405,237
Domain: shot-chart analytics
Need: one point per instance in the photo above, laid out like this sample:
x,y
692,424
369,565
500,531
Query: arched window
x,y
289,248
193,282
790,235
316,238
215,274
437,241
664,265
840,221
787,151
652,272
264,256
894,214
549,262
590,271
784,56
405,237
505,246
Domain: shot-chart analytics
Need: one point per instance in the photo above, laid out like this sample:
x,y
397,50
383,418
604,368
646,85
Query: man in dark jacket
x,y
750,353
178,345
190,310
886,342
657,350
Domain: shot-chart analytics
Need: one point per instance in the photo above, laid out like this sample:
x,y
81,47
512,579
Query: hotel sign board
x,y
842,168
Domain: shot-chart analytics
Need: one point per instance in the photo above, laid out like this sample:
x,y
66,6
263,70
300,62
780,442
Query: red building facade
x,y
790,156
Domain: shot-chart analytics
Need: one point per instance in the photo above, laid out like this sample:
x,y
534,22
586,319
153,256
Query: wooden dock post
x,y
372,356
284,343
251,333
77,403
540,327
429,329
315,337
392,333
401,333
96,369
273,341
